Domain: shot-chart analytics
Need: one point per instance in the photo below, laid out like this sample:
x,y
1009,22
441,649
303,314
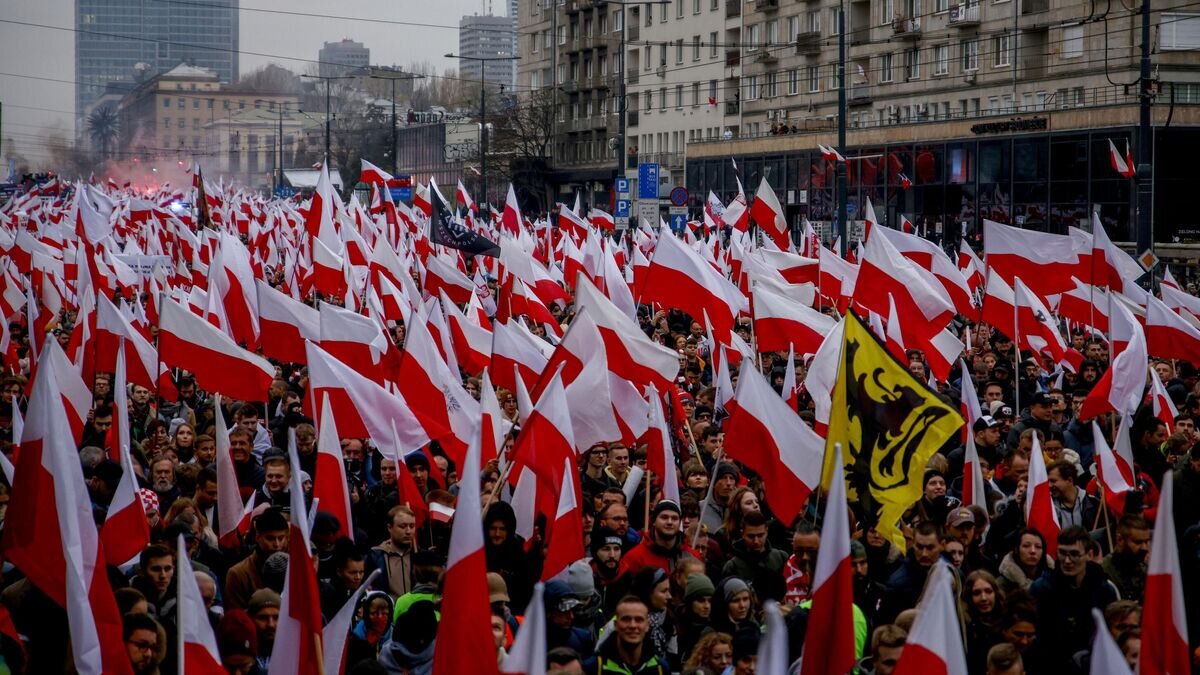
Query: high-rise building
x,y
482,37
132,40
340,58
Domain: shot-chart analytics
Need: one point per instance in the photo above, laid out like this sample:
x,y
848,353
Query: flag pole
x,y
1016,354
707,497
646,521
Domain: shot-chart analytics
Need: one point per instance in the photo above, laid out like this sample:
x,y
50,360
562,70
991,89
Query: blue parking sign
x,y
647,181
622,185
622,208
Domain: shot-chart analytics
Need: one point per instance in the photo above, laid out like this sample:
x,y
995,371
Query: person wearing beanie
x,y
237,641
724,483
734,608
244,578
695,614
588,615
264,611
663,545
869,594
610,577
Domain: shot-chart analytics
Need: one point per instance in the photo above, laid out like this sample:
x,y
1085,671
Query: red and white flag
x,y
679,277
1039,509
972,484
829,646
199,654
465,581
1113,472
768,214
113,328
660,456
330,480
55,542
1160,402
372,175
830,154
737,215
1120,388
1169,335
1123,165
921,301
229,497
527,656
766,435
780,323
1045,261
631,354
126,530
298,649
285,324
510,221
935,645
1164,620
790,391
513,346
218,363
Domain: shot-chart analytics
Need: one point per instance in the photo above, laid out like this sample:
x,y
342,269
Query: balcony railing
x,y
767,55
733,57
808,43
670,160
964,15
906,28
632,32
859,94
767,5
733,8
631,118
731,107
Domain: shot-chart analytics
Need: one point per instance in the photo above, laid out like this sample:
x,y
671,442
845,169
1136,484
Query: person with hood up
x,y
505,553
371,629
409,650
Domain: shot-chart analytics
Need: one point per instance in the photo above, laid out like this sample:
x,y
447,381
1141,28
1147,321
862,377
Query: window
x,y
712,92
941,60
678,9
835,79
835,19
181,104
1178,31
940,6
663,18
771,82
793,28
814,21
716,4
695,94
679,51
1000,47
712,44
888,12
662,98
752,88
793,82
647,59
195,124
1072,46
587,68
195,104
618,65
166,122
695,47
695,6
814,79
912,64
166,103
649,100
970,55
772,33
885,68
562,73
602,24
753,33
662,54
618,21
533,44
650,14
545,39
562,35
182,123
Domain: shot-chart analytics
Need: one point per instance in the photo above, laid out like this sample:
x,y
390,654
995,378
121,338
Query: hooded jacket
x,y
509,559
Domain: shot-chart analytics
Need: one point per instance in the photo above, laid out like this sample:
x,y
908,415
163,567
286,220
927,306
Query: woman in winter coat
x,y
1028,561
371,629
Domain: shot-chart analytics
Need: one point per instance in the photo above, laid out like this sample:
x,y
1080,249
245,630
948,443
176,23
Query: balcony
x,y
731,107
766,5
632,32
859,94
631,77
964,15
766,55
732,57
1034,6
631,118
809,43
909,29
668,160
733,8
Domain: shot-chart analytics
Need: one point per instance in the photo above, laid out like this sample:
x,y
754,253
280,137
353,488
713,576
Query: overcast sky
x,y
35,108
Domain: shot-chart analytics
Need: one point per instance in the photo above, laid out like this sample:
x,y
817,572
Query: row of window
x,y
227,105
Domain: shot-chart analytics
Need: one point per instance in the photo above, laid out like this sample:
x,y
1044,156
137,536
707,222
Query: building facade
x,y
482,37
438,145
188,114
161,35
340,58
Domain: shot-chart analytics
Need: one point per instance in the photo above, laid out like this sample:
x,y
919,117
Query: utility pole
x,y
328,116
395,74
843,224
1145,144
483,130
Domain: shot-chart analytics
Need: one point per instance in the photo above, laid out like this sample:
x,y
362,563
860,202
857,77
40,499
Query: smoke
x,y
145,176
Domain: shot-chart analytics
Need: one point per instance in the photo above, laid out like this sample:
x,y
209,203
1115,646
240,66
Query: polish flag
x,y
472,342
421,200
934,645
791,392
465,598
829,647
970,266
1039,509
1168,278
318,220
1180,301
1164,621
679,277
126,531
838,277
1085,304
495,425
435,393
780,323
893,334
714,213
822,375
298,649
1110,266
357,341
1121,387
931,258
547,438
1161,404
442,276
363,408
336,633
830,154
230,507
55,542
231,278
660,457
921,302
1036,330
1114,473
285,324
1106,658
511,220
372,175
1169,335
631,354
330,479
766,435
112,329
513,346
328,276
793,268
1046,261
1122,165
527,656
593,419
565,536
768,214
186,341
525,267
199,654
736,215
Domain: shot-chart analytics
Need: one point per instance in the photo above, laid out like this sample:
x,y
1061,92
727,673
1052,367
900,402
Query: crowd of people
x,y
666,585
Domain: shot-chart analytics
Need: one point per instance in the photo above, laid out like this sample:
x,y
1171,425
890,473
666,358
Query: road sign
x,y
677,210
647,181
622,208
621,223
648,211
679,196
678,222
401,194
1147,259
622,185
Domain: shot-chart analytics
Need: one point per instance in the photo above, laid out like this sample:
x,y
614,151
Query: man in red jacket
x,y
663,546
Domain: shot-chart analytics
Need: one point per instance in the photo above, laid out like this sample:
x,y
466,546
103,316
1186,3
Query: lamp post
x,y
483,134
327,79
279,142
392,75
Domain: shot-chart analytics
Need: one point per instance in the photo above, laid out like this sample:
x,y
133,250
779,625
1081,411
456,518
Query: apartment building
x,y
959,110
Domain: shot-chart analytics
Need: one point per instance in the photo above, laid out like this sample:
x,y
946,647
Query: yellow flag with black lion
x,y
889,424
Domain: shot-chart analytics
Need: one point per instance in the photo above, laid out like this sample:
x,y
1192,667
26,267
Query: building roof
x,y
184,71
307,178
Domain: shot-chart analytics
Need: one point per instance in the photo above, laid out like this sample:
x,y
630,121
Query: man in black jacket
x,y
1066,596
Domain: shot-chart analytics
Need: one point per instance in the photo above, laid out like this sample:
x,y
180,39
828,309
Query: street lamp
x,y
393,74
326,79
483,135
279,143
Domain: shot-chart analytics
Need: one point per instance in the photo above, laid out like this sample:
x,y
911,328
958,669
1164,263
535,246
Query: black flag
x,y
445,230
